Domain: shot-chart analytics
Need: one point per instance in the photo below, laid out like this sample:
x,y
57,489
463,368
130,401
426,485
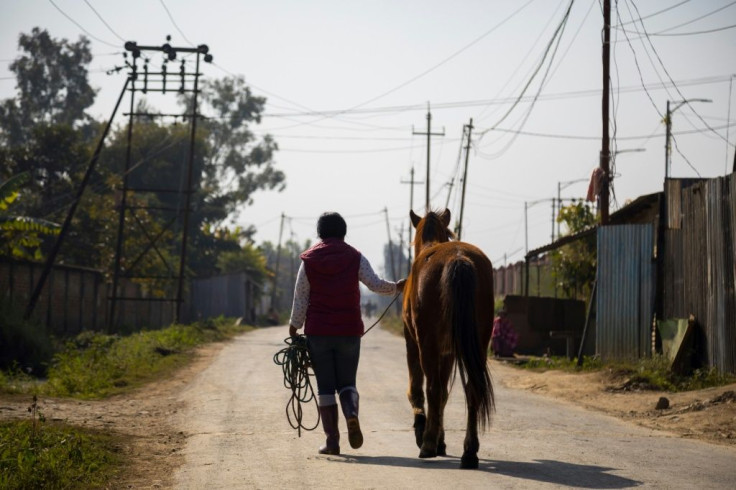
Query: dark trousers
x,y
335,364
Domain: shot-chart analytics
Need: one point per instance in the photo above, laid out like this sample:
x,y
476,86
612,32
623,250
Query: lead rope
x,y
295,364
382,314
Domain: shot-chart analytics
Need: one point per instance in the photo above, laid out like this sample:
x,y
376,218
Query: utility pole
x,y
553,222
411,182
390,246
465,179
449,192
668,131
70,215
429,135
605,156
276,269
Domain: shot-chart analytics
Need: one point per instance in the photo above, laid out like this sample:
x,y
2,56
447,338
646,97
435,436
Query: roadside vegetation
x,y
96,365
645,374
35,453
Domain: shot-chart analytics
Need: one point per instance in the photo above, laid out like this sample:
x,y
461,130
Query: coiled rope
x,y
295,364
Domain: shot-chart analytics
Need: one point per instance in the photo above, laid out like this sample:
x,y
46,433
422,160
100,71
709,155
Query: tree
x,y
45,132
52,85
21,235
237,164
248,259
575,263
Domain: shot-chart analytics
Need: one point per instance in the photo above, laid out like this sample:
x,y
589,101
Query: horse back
x,y
425,285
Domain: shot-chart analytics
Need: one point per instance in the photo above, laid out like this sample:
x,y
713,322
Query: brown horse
x,y
448,318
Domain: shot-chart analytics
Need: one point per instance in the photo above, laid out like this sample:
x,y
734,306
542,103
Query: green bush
x,y
24,344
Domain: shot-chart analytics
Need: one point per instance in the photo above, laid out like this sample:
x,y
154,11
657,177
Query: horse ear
x,y
414,218
445,217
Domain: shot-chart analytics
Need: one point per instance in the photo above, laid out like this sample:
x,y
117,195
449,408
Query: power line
x,y
695,19
425,72
103,21
555,40
695,33
176,26
504,100
697,114
556,36
82,28
652,14
623,138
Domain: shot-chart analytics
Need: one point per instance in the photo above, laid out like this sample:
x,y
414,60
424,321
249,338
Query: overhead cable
x,y
103,21
176,26
82,28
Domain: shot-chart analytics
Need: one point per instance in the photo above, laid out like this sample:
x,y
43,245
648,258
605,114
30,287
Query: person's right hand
x,y
400,285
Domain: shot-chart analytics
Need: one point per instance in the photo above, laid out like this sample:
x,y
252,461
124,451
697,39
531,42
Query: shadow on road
x,y
542,470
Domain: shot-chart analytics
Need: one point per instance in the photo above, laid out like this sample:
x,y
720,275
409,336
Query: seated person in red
x,y
503,338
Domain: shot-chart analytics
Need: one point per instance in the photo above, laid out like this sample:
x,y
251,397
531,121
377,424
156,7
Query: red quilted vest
x,y
334,296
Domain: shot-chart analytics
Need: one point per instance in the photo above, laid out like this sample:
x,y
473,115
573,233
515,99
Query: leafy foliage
x,y
575,263
52,85
21,235
247,259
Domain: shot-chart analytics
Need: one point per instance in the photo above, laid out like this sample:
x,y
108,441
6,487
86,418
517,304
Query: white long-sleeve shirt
x,y
366,275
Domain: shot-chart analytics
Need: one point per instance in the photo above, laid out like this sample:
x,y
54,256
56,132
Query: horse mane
x,y
431,229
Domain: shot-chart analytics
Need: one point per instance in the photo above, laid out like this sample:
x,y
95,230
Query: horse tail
x,y
461,283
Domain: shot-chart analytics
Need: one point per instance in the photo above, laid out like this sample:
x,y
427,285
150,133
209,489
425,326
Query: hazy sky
x,y
377,65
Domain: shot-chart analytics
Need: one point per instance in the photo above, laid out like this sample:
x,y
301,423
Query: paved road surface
x,y
238,436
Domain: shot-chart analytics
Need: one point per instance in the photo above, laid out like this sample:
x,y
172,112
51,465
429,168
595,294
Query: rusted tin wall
x,y
699,269
75,299
626,286
230,295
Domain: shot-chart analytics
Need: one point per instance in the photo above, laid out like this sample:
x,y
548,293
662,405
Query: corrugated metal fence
x,y
698,264
231,295
626,288
76,299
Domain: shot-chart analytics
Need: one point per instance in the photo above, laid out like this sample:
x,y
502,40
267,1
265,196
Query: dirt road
x,y
237,435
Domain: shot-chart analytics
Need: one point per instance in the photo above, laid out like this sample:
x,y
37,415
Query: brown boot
x,y
349,401
329,417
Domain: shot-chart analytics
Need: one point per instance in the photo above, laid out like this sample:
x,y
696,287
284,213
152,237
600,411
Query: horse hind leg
x,y
471,445
415,392
433,443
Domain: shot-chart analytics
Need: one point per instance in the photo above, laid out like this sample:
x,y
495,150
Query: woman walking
x,y
327,304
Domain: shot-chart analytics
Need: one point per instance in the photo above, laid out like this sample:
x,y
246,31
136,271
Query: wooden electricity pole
x,y
390,247
465,179
411,182
605,157
274,296
429,135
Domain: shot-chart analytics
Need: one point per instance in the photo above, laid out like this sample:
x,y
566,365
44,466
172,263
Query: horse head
x,y
433,228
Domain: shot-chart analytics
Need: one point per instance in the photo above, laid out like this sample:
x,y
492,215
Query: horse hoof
x,y
420,420
441,449
469,462
426,453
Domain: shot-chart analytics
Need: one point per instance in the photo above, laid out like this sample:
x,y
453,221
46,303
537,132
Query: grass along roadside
x,y
94,365
35,453
652,373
